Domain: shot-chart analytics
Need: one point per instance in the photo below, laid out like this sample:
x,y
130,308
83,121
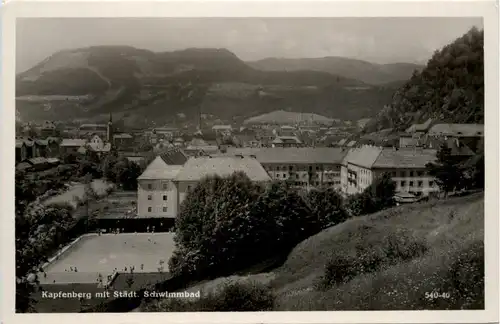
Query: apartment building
x,y
197,168
306,166
156,192
363,165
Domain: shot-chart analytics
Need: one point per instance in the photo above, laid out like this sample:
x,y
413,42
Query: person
x,y
76,270
45,275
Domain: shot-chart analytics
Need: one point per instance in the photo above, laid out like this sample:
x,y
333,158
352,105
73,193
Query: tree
x,y
382,191
124,173
283,219
447,173
89,196
213,225
327,206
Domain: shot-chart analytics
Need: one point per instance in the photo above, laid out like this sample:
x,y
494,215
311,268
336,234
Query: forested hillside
x,y
450,88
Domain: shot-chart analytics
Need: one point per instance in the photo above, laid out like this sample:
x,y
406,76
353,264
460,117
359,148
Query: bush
x,y
360,204
233,297
400,245
327,207
223,221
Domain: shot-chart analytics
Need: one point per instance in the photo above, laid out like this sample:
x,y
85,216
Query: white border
x,y
487,10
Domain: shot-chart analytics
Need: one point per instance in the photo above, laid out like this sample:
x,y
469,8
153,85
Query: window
x,y
150,197
411,173
403,174
164,209
150,209
165,186
290,168
420,184
164,197
393,173
411,183
189,188
317,168
403,183
420,173
150,186
431,183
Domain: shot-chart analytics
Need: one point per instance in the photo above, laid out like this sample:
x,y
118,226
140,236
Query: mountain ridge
x,y
368,72
93,81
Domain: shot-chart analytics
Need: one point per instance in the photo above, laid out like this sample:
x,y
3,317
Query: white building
x,y
305,166
407,168
156,192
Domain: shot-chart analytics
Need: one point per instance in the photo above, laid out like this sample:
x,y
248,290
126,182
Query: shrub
x,y
400,245
233,297
327,206
360,204
404,245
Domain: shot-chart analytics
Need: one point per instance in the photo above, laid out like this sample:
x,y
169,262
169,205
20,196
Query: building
x,y
68,145
286,141
156,192
457,130
89,129
222,129
307,166
21,150
98,145
198,168
420,129
123,140
48,128
287,130
408,140
361,166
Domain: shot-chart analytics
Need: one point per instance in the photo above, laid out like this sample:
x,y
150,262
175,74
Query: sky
x,y
378,40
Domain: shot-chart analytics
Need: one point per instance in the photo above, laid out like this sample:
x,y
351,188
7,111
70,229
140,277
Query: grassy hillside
x,y
450,88
384,261
367,72
157,86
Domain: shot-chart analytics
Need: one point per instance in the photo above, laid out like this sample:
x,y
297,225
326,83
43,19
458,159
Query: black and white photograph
x,y
250,164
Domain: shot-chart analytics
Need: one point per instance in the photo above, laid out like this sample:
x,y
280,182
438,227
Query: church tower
x,y
109,136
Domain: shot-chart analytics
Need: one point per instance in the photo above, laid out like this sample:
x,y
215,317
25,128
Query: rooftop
x,y
159,169
196,169
404,158
465,130
123,135
174,157
363,156
72,142
302,155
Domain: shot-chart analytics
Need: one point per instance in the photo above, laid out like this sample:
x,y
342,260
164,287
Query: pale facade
x,y
303,174
156,192
407,168
156,198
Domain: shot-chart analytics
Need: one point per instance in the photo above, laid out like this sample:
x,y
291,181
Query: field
x,y
390,260
94,254
77,190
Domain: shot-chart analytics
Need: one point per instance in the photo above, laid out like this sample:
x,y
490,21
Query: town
x,y
284,206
